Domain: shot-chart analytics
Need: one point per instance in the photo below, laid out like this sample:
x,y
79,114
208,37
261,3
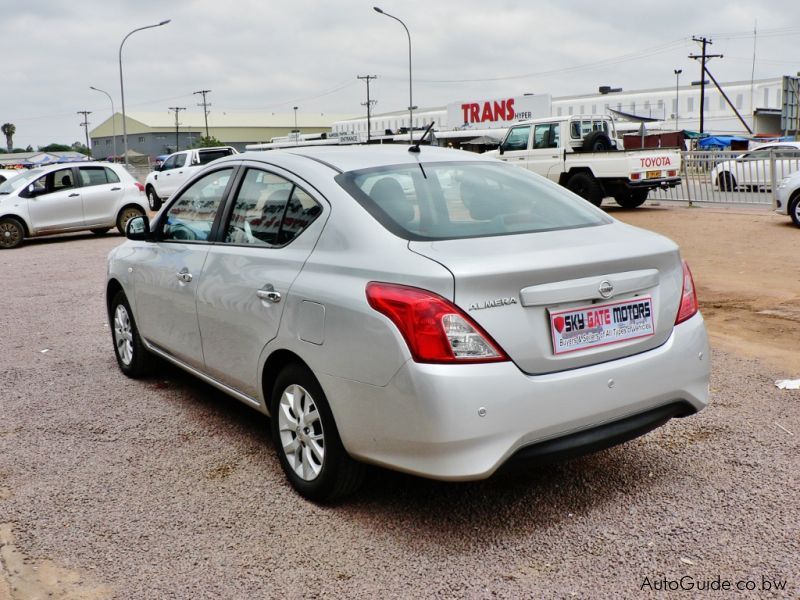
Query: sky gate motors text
x,y
606,316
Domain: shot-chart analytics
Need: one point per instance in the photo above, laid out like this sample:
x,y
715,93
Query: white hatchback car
x,y
62,198
753,170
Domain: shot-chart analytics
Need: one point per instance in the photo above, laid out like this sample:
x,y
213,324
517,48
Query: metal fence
x,y
731,177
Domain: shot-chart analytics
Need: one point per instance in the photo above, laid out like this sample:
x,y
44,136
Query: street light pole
x,y
113,116
410,98
677,96
296,130
122,86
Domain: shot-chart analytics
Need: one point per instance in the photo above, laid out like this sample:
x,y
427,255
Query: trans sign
x,y
496,112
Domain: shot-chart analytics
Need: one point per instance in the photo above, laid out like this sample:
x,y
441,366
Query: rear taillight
x,y
688,307
435,330
139,186
636,176
672,173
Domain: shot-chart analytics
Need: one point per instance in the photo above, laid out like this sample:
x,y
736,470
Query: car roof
x,y
774,144
356,157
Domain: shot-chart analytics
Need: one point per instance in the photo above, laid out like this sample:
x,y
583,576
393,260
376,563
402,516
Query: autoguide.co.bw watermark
x,y
688,583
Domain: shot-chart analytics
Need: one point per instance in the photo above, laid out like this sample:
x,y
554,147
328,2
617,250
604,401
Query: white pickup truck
x,y
176,169
584,154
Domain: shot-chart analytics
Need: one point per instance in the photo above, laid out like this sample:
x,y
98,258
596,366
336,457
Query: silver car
x,y
434,312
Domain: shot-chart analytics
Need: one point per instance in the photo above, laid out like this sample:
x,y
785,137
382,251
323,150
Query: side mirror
x,y
501,148
138,229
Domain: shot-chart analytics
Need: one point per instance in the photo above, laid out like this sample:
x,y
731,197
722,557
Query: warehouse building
x,y
154,133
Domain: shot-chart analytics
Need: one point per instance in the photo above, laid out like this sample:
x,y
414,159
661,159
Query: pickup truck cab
x,y
585,155
178,168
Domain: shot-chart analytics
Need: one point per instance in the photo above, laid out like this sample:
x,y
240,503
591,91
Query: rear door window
x,y
269,210
97,176
206,156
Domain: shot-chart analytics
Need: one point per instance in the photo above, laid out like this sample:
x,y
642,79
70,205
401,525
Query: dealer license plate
x,y
601,324
653,175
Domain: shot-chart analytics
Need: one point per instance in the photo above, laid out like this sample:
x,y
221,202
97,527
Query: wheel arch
x,y
566,176
112,287
20,220
273,366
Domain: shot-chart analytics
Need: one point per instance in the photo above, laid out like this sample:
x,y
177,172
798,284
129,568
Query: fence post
x,y
773,178
684,165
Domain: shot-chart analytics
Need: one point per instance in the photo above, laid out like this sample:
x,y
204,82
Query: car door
x,y
176,176
545,156
168,271
516,145
101,194
271,229
54,202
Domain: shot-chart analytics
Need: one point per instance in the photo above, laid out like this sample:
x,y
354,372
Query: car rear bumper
x,y
654,183
462,422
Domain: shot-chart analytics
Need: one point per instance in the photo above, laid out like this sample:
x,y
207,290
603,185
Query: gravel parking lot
x,y
166,488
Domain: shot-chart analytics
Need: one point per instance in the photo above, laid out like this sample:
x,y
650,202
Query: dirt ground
x,y
746,266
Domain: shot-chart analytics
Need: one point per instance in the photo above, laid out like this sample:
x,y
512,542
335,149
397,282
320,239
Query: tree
x,y
78,147
55,148
29,148
206,142
9,129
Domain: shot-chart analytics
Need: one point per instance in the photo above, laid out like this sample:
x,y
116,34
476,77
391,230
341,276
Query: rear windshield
x,y
455,200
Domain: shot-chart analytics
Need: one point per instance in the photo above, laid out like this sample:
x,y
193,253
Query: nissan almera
x,y
435,312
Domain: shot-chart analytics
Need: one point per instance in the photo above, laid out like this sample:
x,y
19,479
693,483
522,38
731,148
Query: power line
x,y
85,126
205,106
177,110
368,103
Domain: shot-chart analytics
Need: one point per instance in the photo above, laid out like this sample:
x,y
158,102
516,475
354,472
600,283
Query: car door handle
x,y
116,189
184,276
74,195
520,158
269,294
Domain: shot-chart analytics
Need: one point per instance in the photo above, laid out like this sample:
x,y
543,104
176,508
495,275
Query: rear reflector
x,y
688,307
435,330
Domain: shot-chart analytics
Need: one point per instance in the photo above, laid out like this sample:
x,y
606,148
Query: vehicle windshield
x,y
12,185
466,199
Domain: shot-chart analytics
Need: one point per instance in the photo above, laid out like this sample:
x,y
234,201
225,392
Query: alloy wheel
x,y
123,334
301,435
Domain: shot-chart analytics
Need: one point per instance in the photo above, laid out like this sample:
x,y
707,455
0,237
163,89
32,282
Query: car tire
x,y
726,182
133,358
597,141
100,231
631,198
587,187
153,200
125,215
794,208
307,441
11,233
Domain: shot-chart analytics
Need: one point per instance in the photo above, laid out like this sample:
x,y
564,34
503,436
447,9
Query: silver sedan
x,y
434,312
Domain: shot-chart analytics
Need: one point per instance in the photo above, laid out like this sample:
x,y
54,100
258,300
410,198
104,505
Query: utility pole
x,y
704,57
369,102
205,106
85,126
177,109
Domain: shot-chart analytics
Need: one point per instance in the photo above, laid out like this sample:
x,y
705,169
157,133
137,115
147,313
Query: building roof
x,y
165,120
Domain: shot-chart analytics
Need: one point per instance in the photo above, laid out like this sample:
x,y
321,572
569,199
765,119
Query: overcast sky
x,y
270,55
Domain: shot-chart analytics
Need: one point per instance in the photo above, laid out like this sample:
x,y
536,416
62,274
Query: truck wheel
x,y
587,187
631,198
597,141
727,182
153,200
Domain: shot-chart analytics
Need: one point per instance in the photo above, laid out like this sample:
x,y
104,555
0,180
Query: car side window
x,y
545,136
269,211
169,163
60,180
97,176
206,156
191,216
180,160
517,138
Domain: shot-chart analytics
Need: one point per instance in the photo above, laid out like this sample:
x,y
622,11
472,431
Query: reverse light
x,y
435,330
139,186
689,306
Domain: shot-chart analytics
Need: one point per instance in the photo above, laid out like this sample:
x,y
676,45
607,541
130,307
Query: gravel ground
x,y
165,488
